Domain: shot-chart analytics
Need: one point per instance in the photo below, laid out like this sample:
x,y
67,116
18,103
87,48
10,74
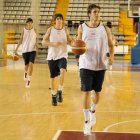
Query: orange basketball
x,y
15,57
78,47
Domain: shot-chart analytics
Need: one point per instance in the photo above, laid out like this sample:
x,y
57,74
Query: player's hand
x,y
72,42
57,44
15,53
111,60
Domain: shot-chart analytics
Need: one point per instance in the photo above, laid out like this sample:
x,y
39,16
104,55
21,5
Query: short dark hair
x,y
92,6
29,20
109,24
58,15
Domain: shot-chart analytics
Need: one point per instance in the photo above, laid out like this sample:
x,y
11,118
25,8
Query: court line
x,y
119,123
58,133
77,130
48,113
56,136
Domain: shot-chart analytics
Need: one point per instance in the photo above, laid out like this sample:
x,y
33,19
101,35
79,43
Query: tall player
x,y
93,63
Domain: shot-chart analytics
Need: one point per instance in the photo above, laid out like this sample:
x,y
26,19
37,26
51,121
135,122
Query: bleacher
x,y
16,11
47,9
77,10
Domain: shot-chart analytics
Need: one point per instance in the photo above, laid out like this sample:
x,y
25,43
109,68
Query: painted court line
x,y
48,113
56,136
58,133
119,123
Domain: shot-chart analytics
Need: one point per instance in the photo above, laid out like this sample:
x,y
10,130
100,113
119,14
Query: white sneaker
x,y
28,84
87,128
92,118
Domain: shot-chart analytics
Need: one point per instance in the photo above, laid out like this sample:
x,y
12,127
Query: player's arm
x,y
111,46
69,38
46,42
115,42
36,44
79,33
19,43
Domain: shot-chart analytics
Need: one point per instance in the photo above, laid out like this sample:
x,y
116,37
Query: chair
x,y
25,12
17,16
22,4
28,4
41,9
15,8
52,9
47,9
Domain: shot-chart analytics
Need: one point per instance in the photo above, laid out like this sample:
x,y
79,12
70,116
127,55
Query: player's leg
x,y
26,62
97,86
62,64
26,72
53,79
32,56
86,87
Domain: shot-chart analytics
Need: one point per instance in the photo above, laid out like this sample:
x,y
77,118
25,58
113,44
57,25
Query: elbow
x,y
111,48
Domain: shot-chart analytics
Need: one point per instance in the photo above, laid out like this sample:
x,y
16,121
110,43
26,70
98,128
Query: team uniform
x,y
57,59
28,45
93,63
57,56
28,50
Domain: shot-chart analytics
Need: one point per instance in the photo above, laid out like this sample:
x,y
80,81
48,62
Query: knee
x,y
62,70
31,64
86,94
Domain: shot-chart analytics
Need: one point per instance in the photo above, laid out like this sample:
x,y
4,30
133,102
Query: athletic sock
x,y
92,108
86,115
29,78
53,92
60,87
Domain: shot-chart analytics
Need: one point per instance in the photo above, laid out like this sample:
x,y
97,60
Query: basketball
x,y
79,47
15,57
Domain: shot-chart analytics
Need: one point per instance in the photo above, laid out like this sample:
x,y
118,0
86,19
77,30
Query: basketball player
x,y
93,63
56,39
29,46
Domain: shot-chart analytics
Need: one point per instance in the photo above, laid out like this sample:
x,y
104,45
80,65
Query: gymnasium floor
x,y
27,114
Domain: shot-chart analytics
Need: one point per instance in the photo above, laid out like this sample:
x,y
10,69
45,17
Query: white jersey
x,y
29,40
97,46
56,35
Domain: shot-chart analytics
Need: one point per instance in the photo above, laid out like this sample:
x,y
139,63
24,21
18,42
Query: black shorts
x,y
29,57
56,65
91,80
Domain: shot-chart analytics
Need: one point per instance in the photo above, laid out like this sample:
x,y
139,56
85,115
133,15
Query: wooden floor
x,y
27,114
